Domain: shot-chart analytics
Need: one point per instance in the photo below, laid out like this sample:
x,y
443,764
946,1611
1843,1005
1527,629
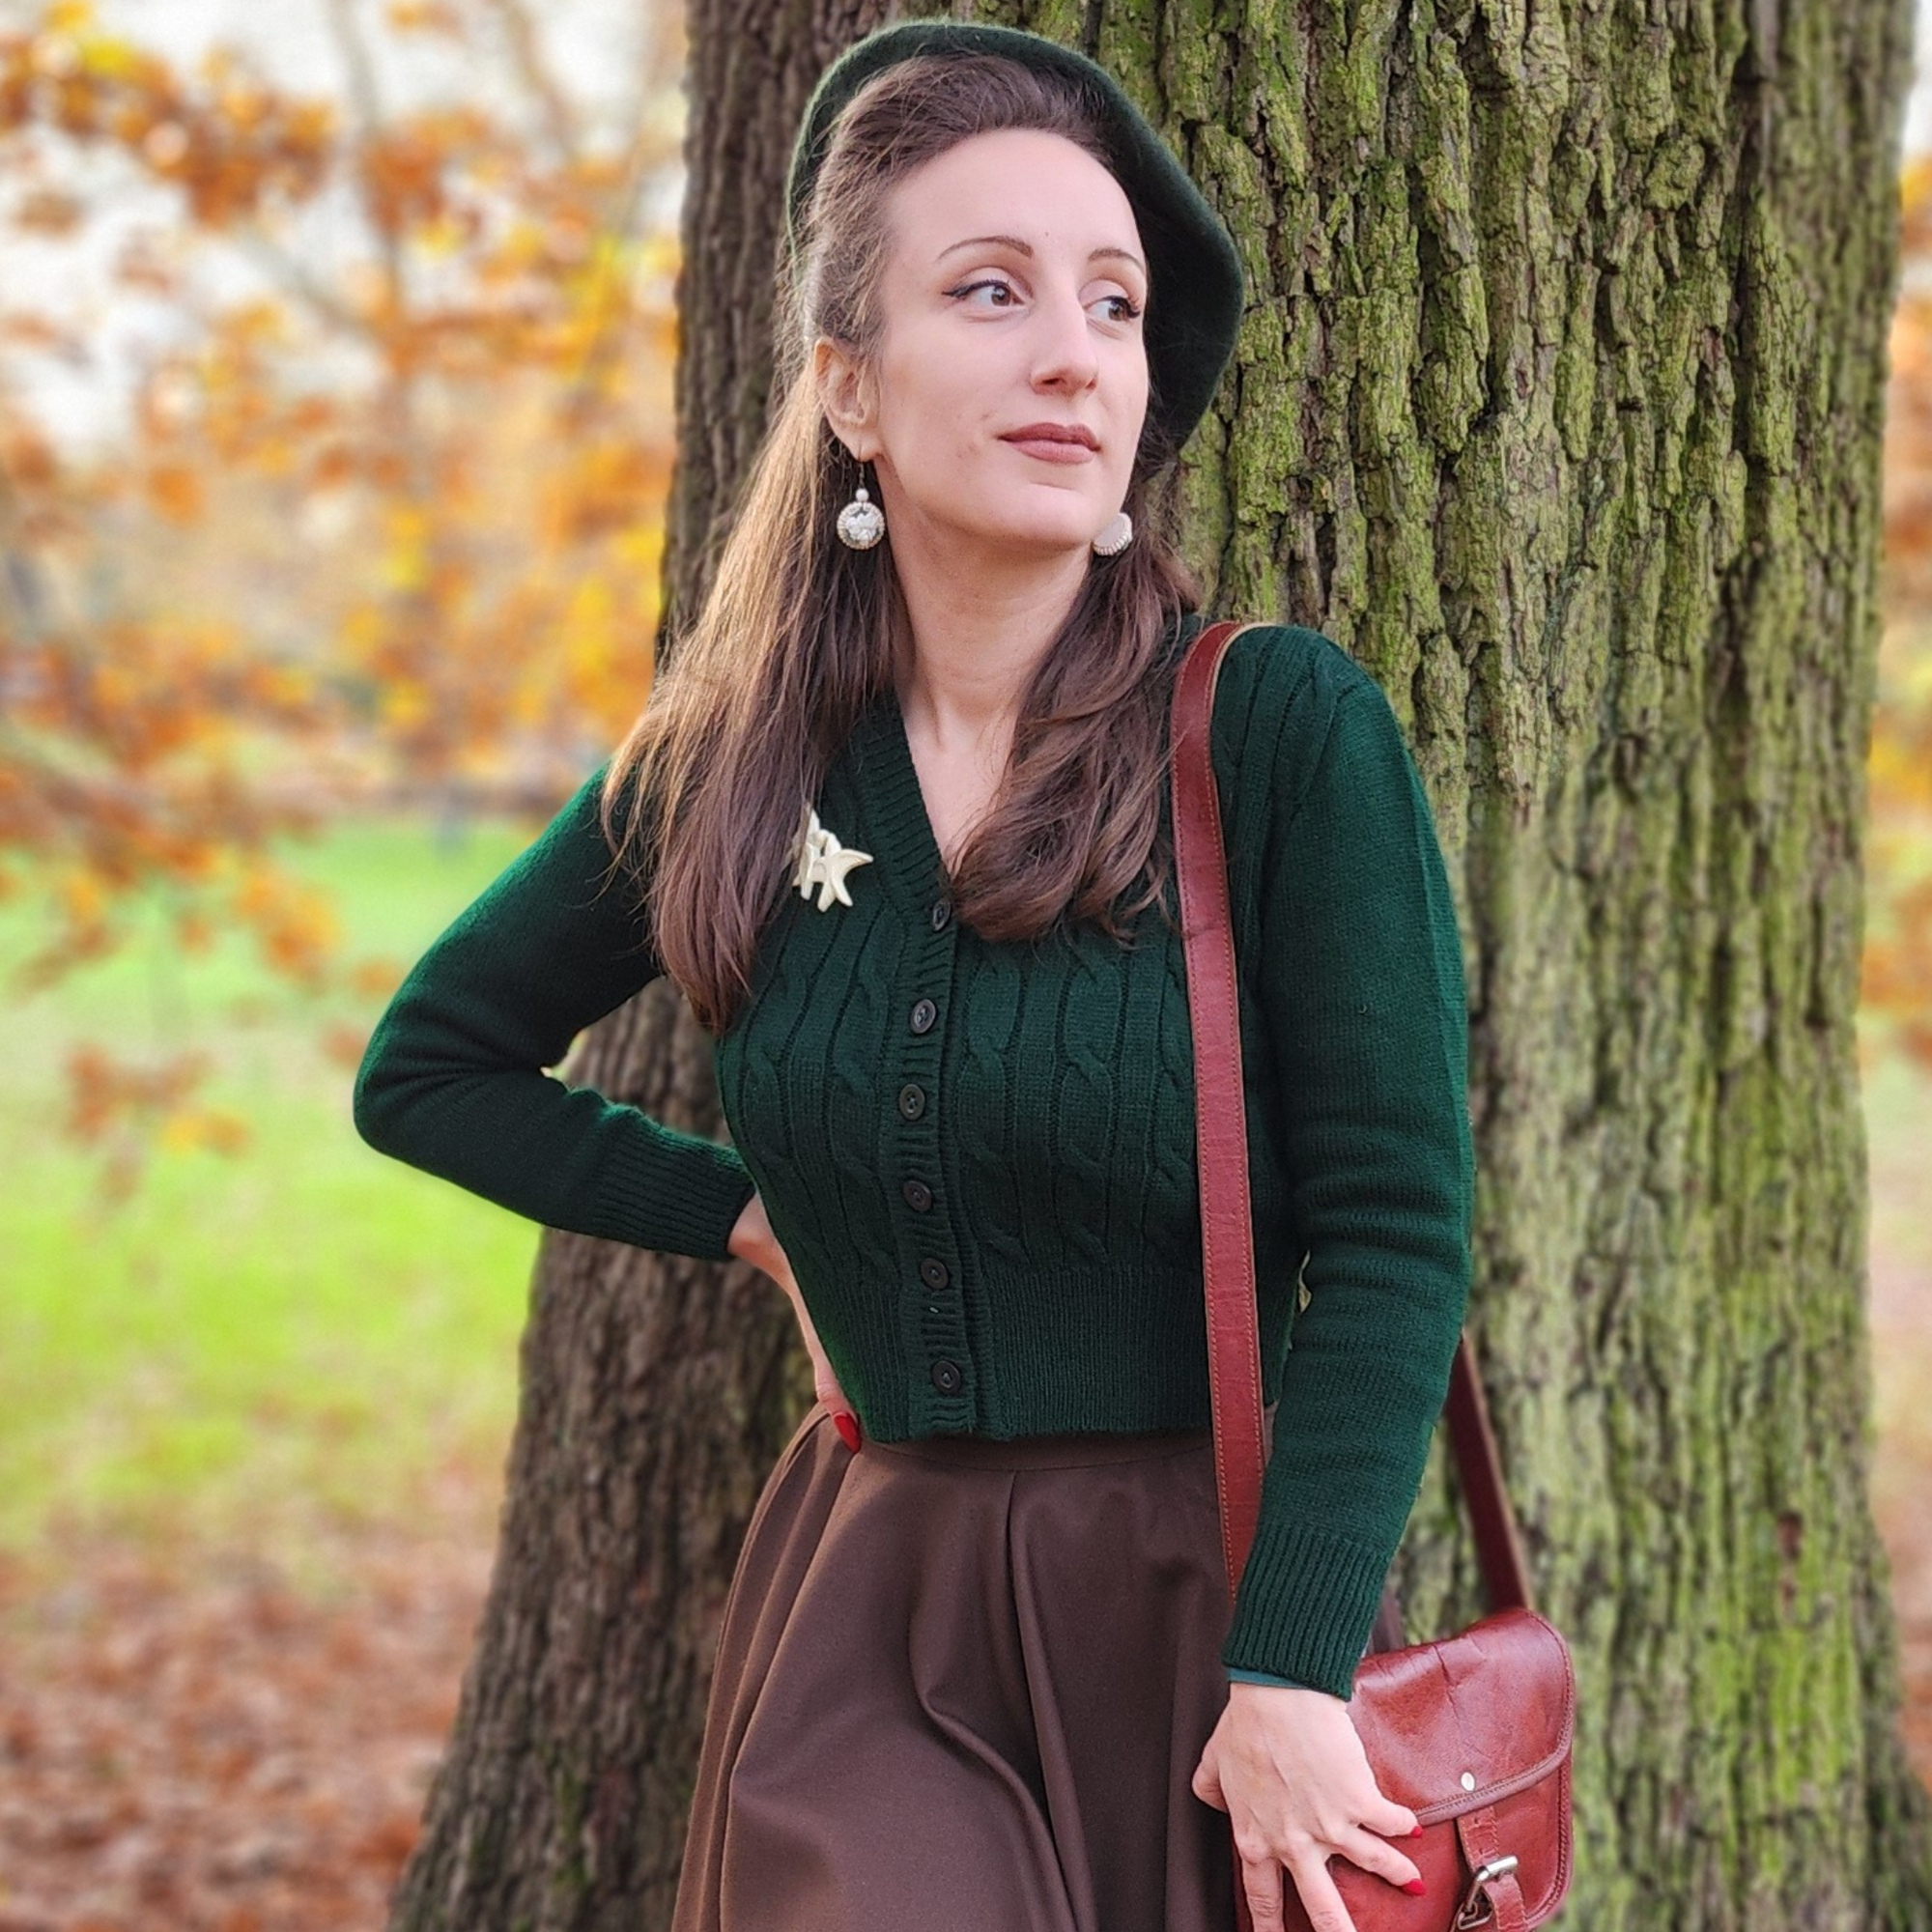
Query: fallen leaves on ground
x,y
192,1741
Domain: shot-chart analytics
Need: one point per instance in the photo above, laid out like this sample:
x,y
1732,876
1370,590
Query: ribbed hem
x,y
1305,1606
688,1199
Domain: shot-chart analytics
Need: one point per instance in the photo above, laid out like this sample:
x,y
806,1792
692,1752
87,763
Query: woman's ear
x,y
844,394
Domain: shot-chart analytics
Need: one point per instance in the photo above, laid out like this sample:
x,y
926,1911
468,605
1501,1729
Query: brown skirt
x,y
962,1685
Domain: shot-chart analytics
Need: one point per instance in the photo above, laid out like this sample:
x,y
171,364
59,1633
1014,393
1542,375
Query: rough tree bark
x,y
1560,405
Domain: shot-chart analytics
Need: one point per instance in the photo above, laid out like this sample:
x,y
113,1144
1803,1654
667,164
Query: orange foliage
x,y
116,1105
228,147
388,523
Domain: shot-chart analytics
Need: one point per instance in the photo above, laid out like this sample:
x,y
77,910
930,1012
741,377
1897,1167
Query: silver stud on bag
x,y
861,523
1115,534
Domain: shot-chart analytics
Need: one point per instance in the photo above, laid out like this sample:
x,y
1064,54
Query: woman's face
x,y
1014,298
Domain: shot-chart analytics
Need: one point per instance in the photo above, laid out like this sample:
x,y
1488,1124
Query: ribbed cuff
x,y
686,1199
1235,1676
1305,1606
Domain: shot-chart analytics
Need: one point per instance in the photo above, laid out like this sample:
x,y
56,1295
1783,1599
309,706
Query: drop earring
x,y
861,523
1116,536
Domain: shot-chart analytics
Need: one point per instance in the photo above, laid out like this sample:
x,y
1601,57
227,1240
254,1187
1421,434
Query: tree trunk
x,y
1560,405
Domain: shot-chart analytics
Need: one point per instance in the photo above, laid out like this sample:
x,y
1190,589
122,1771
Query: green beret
x,y
1196,287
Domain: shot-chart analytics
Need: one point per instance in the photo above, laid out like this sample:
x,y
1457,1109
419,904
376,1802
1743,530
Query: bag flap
x,y
1495,1703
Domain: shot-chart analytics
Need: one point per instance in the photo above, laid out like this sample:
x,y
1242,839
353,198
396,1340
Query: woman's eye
x,y
967,288
1129,309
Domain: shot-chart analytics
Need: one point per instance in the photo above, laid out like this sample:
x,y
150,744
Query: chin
x,y
1039,543
1040,535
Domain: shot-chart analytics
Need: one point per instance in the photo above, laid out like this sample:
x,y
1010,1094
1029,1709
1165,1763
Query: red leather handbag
x,y
1472,1731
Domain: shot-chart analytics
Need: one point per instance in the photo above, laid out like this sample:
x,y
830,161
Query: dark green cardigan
x,y
980,1157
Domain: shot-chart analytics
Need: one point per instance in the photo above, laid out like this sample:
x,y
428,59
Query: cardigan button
x,y
942,911
935,1272
924,1013
946,1377
917,1194
912,1099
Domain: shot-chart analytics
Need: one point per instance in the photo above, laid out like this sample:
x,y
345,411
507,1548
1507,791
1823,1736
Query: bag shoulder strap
x,y
1221,1144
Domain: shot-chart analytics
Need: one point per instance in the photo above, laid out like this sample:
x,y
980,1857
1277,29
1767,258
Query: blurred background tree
x,y
383,517
1897,985
336,345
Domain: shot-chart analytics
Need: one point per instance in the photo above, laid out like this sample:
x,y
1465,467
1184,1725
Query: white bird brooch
x,y
823,862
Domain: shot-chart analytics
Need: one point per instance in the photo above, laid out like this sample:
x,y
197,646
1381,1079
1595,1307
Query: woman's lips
x,y
1051,450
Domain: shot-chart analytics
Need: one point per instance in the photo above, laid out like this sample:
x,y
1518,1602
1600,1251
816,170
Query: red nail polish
x,y
1416,1888
1417,1833
847,1426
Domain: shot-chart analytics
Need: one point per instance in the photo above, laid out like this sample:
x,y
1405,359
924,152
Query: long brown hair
x,y
798,633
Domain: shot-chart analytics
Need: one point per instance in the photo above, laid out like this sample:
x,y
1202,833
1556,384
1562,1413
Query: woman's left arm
x,y
1362,989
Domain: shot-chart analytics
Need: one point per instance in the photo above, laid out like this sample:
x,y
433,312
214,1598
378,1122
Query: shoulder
x,y
1282,693
1288,665
570,869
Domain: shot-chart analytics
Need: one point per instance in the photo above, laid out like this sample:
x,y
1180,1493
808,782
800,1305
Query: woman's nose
x,y
1065,351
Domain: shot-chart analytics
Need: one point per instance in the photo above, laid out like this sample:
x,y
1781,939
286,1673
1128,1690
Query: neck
x,y
980,628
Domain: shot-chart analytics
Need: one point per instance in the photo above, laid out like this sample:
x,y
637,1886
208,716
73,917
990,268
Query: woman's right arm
x,y
453,1080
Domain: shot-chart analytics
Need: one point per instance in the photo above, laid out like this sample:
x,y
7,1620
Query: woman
x,y
896,819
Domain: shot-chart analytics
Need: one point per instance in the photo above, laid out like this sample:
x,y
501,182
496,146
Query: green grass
x,y
306,1323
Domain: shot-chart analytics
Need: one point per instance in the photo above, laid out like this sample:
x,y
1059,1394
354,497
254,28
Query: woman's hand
x,y
1287,1767
752,1241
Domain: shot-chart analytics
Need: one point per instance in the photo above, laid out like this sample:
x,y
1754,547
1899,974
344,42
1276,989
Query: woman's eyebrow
x,y
1014,242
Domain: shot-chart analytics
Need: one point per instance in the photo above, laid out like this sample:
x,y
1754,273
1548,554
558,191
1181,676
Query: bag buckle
x,y
1476,1909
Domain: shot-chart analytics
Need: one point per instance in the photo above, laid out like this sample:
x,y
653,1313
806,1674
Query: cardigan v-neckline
x,y
895,802
900,745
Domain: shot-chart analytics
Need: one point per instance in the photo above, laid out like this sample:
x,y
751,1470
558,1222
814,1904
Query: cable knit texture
x,y
990,1203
